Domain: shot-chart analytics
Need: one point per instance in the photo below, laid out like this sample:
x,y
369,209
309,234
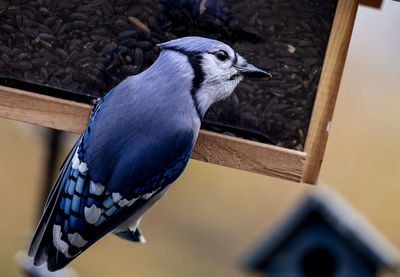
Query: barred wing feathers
x,y
80,211
129,153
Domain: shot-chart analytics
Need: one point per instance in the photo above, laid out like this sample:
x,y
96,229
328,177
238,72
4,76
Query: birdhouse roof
x,y
348,223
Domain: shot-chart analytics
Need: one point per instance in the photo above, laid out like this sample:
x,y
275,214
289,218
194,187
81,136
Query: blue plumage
x,y
138,141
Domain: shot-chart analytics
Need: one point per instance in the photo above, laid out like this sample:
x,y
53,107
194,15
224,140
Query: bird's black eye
x,y
222,55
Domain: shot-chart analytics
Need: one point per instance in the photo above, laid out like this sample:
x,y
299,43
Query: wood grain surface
x,y
43,110
328,88
210,147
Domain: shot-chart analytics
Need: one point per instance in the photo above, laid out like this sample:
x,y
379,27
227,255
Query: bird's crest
x,y
191,44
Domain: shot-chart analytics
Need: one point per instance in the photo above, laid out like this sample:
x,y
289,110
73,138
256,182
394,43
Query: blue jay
x,y
138,141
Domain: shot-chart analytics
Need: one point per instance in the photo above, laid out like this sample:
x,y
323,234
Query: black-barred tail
x,y
80,211
42,247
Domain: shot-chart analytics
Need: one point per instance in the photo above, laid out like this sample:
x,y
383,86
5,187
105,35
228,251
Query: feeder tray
x,y
56,57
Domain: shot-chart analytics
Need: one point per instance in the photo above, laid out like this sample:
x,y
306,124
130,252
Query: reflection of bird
x,y
138,141
211,17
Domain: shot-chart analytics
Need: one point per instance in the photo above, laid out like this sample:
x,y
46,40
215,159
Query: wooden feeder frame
x,y
217,148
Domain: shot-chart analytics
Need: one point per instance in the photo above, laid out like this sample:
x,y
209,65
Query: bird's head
x,y
218,69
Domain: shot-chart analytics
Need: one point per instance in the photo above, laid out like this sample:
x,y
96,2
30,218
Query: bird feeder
x,y
57,56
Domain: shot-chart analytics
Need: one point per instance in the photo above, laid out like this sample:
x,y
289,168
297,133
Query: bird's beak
x,y
251,71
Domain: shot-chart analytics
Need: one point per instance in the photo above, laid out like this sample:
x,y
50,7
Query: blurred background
x,y
212,216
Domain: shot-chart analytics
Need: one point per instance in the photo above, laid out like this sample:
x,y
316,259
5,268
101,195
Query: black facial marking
x,y
235,59
195,60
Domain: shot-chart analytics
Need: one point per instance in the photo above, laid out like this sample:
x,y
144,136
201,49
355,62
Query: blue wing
x,y
80,211
101,185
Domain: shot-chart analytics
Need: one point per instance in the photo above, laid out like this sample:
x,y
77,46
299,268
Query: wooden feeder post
x,y
328,88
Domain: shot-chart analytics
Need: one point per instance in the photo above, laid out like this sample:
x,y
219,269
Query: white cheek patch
x,y
217,84
77,240
215,72
92,214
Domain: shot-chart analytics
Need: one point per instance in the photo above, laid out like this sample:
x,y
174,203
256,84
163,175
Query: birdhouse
x,y
57,56
323,236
